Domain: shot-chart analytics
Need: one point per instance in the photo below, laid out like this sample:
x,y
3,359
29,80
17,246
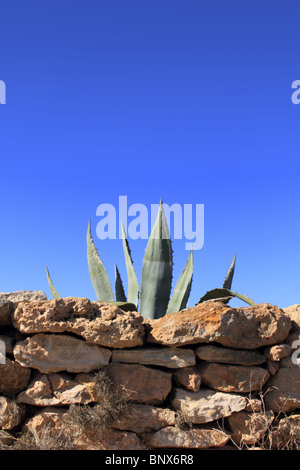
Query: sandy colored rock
x,y
53,353
249,428
294,313
229,378
229,356
286,436
6,309
144,384
172,358
23,296
207,405
145,418
284,390
11,414
98,323
272,366
188,377
277,352
54,390
13,377
204,438
239,328
113,439
254,405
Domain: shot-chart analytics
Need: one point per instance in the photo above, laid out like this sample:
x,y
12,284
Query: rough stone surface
x,y
113,439
165,357
6,309
99,323
143,384
11,414
277,352
229,356
249,428
172,437
254,405
240,328
229,378
23,296
272,366
53,353
13,377
188,377
54,390
145,418
207,405
286,436
294,313
284,390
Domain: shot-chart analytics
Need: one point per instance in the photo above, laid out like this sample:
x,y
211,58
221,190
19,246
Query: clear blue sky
x,y
185,100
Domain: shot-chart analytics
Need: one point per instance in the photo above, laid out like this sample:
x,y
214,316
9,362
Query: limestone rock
x,y
249,428
23,296
294,313
212,353
11,414
54,390
197,438
286,436
13,377
6,309
207,405
272,366
277,352
254,405
53,353
229,378
188,377
284,390
97,322
112,439
240,328
144,384
145,418
165,357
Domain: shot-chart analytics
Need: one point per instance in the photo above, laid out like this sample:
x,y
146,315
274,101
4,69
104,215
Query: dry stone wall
x,y
211,376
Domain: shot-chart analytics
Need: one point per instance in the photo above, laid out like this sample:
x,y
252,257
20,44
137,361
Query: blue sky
x,y
185,100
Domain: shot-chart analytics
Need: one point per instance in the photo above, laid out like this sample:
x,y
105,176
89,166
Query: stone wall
x,y
210,376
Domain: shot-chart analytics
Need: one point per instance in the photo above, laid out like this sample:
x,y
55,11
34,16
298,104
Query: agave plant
x,y
154,298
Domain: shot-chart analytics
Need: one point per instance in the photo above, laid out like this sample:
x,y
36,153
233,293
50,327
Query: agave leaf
x,y
119,289
133,285
228,279
183,287
97,271
51,285
157,270
224,295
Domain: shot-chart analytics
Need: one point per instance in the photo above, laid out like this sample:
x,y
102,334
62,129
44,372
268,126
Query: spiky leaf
x,y
157,270
125,306
119,289
51,285
224,295
228,279
183,287
97,271
133,285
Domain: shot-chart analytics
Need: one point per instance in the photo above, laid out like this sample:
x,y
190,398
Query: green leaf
x,y
133,285
224,295
97,271
51,285
228,279
125,306
183,287
157,270
119,289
